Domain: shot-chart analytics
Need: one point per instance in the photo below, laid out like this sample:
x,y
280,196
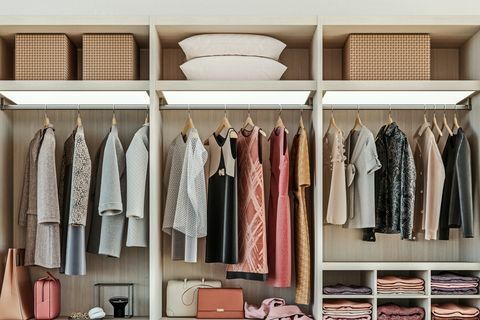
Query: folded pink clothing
x,y
290,312
393,309
399,280
399,317
454,318
343,304
400,285
347,317
254,312
448,310
349,312
400,292
454,285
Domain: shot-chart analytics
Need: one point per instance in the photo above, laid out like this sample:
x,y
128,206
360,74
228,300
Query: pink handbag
x,y
47,298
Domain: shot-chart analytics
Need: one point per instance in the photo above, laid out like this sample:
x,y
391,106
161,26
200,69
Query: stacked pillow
x,y
232,57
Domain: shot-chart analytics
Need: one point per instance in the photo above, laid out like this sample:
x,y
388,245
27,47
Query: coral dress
x,y
252,264
279,224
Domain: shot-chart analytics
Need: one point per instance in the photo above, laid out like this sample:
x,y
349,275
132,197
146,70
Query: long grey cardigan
x,y
47,247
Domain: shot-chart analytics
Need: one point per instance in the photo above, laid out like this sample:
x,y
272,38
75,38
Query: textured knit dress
x,y
279,224
251,210
222,217
301,181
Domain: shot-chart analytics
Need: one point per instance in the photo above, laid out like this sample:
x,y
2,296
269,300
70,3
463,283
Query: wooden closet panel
x,y
206,121
297,61
6,184
341,244
78,292
444,64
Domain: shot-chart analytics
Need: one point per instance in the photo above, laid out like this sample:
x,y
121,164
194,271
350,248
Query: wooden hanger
x,y
188,124
114,118
445,121
279,122
332,123
46,120
224,124
300,121
456,124
249,123
425,120
358,122
79,118
435,124
389,118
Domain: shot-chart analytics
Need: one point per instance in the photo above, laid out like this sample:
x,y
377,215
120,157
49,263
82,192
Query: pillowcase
x,y
205,45
233,68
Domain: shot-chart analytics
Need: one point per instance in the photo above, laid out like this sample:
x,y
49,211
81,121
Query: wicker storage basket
x,y
387,57
44,57
110,57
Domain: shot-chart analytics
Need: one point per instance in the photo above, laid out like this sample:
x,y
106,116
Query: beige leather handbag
x,y
16,299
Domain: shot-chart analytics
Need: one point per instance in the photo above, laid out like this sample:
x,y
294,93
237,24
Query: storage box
x,y
44,57
387,57
110,57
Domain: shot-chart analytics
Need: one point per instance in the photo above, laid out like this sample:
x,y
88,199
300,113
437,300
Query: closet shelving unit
x,y
313,57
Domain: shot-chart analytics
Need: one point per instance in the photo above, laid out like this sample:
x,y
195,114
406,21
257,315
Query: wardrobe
x,y
314,60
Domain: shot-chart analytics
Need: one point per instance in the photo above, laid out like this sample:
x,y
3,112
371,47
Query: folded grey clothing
x,y
453,277
457,285
454,291
346,289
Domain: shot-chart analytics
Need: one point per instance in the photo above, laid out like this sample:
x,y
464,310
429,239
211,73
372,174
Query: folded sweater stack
x,y
452,283
452,311
400,285
392,311
346,310
347,289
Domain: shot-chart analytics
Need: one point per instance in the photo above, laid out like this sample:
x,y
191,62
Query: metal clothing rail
x,y
235,107
467,106
82,107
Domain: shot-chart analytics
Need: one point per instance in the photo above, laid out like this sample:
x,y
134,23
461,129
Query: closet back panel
x,y
133,264
296,59
206,121
341,244
6,187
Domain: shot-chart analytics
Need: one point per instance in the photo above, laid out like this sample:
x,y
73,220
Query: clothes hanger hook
x,y
188,110
280,110
225,111
249,109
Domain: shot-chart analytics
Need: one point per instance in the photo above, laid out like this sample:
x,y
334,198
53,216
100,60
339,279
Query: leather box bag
x,y
220,303
16,299
47,298
182,296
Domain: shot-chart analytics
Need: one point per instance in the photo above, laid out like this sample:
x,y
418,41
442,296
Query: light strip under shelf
x,y
236,97
77,97
395,97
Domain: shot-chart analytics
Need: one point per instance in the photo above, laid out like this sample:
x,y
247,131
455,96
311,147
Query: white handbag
x,y
182,296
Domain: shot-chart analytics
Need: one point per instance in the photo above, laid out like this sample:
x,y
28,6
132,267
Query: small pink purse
x,y
47,298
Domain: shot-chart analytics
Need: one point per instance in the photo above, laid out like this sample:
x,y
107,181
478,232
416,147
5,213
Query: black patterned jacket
x,y
394,183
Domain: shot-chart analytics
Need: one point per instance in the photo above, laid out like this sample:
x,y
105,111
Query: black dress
x,y
222,216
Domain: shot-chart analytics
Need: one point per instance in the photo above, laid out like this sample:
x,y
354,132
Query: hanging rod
x,y
82,107
467,106
235,107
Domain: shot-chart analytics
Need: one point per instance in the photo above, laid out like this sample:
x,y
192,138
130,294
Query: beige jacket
x,y
430,179
334,186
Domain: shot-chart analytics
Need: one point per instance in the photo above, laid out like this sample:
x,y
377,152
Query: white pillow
x,y
233,68
205,45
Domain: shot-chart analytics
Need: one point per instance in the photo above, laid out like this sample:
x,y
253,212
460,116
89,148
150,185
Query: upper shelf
x,y
400,85
280,85
73,85
400,266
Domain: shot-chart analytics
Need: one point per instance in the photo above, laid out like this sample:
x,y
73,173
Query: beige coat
x,y
335,191
430,179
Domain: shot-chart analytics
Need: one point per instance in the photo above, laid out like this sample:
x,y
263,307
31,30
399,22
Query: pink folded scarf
x,y
273,309
342,304
347,317
389,280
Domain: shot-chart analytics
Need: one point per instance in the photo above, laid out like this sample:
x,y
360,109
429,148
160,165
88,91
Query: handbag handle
x,y
196,287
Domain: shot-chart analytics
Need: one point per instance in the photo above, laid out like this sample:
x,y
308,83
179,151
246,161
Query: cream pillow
x,y
205,45
233,68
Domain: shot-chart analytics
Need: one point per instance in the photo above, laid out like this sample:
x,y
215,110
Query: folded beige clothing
x,y
454,285
389,280
349,312
343,304
400,292
448,310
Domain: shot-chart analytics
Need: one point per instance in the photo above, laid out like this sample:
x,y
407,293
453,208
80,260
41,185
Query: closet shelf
x,y
421,266
233,85
400,85
73,85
